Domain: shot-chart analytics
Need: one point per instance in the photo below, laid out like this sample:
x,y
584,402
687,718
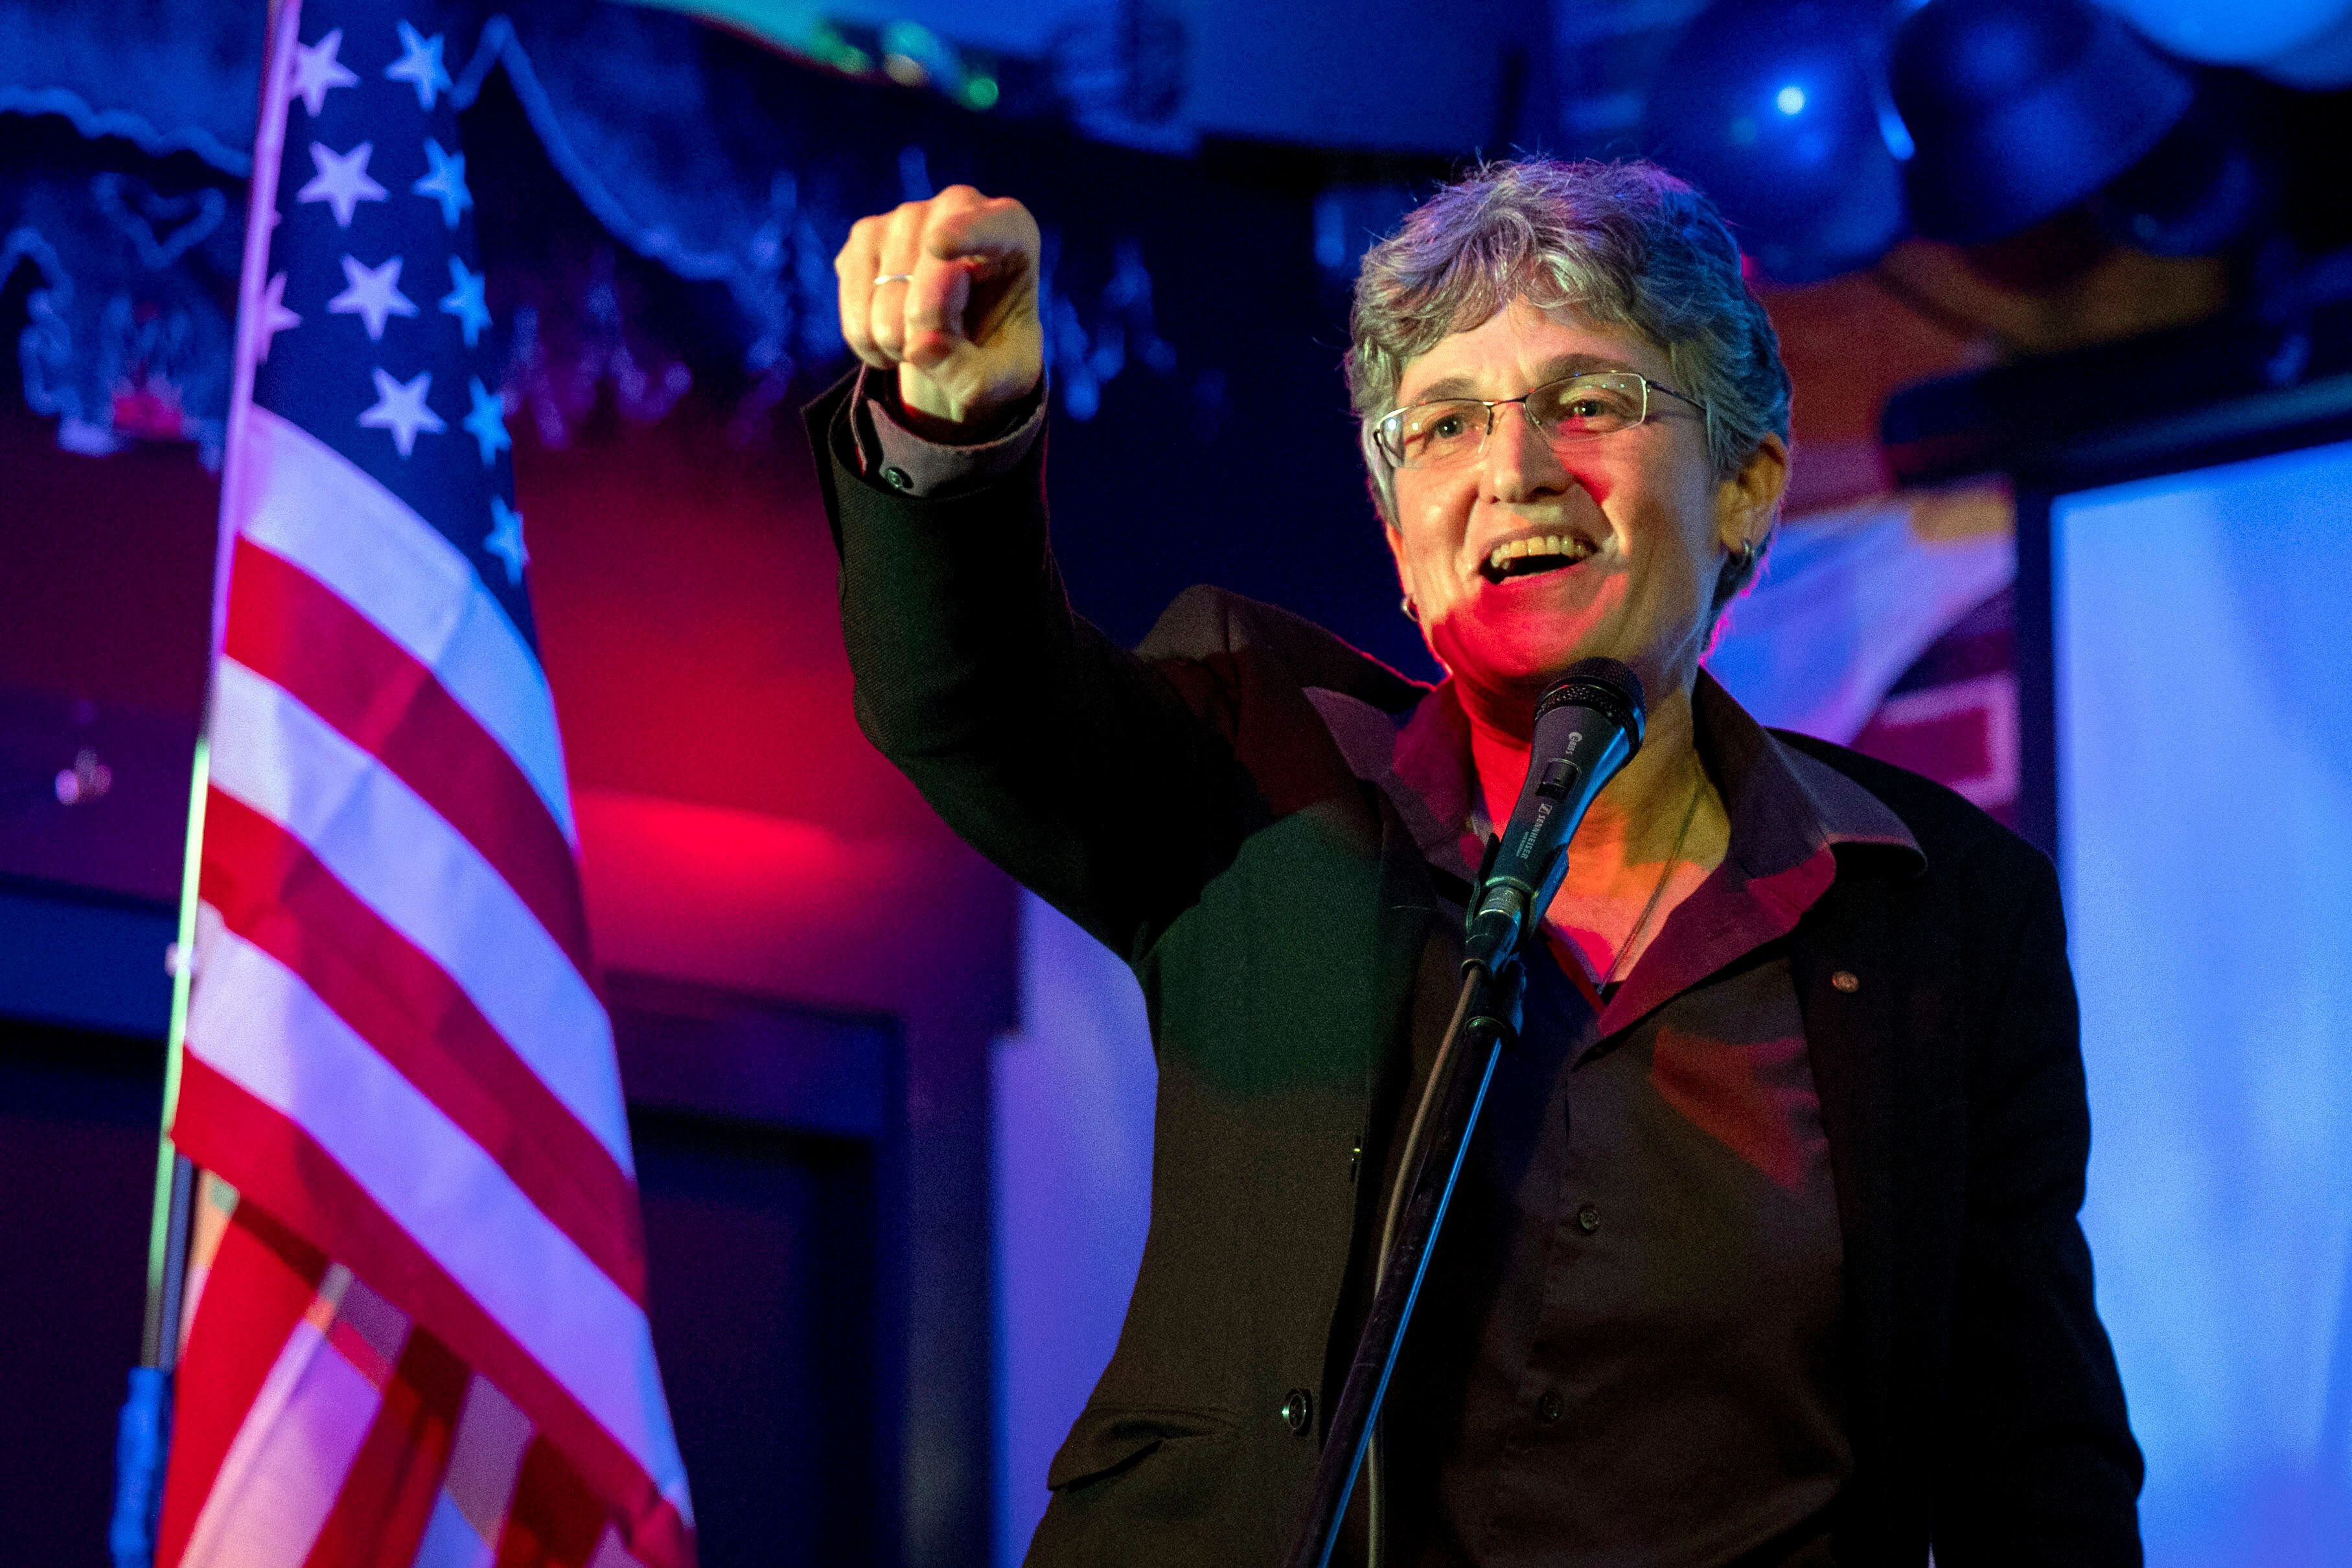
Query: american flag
x,y
419,1334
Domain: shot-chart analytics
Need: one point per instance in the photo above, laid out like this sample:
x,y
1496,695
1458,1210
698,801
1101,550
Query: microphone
x,y
1588,725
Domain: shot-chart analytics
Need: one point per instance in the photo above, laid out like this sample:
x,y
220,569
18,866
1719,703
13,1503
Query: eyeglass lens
x,y
1453,430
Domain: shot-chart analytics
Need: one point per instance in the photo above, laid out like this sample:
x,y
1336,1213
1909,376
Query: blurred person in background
x,y
1765,1251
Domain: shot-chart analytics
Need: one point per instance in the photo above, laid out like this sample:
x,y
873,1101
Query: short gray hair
x,y
1626,244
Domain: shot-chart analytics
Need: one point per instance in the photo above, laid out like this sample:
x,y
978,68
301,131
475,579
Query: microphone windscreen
x,y
1604,685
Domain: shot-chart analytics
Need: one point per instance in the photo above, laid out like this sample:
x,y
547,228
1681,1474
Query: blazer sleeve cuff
x,y
891,454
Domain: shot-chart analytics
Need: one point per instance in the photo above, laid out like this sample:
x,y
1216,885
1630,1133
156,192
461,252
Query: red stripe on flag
x,y
388,1494
272,891
251,1145
262,1280
288,628
553,1522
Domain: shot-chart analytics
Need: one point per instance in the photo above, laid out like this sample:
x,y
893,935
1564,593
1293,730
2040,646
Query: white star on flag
x,y
342,181
447,183
400,408
487,421
419,63
372,293
314,69
272,317
505,539
464,301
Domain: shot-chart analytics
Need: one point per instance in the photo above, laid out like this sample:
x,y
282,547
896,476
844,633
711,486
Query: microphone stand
x,y
1588,725
1485,1023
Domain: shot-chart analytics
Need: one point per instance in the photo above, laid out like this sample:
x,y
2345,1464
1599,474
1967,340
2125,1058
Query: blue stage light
x,y
2210,182
2021,108
1774,108
2233,32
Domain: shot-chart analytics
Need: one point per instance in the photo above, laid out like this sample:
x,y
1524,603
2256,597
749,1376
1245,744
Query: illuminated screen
x,y
2204,751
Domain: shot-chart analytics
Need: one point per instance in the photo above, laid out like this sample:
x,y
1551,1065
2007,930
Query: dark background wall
x,y
78,1118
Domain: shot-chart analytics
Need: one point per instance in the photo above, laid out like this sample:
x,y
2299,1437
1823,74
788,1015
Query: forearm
x,y
1037,739
947,598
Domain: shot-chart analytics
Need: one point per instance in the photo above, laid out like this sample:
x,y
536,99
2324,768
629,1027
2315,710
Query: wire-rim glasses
x,y
1447,432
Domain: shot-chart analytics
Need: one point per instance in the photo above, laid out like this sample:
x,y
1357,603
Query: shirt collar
x,y
1785,805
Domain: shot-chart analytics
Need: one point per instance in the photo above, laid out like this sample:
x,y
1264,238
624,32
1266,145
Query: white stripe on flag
x,y
426,880
286,1463
258,1023
611,1554
315,507
485,1456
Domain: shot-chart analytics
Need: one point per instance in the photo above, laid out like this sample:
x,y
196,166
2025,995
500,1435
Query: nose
x,y
1521,464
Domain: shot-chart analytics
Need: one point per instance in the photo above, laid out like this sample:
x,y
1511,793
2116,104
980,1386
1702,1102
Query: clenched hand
x,y
961,330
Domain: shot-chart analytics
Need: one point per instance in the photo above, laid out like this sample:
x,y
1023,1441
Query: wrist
x,y
923,409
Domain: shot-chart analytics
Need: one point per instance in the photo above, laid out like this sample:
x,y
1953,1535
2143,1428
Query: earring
x,y
1411,614
1746,560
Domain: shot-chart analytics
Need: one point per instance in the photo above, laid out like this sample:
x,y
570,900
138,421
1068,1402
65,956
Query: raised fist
x,y
944,291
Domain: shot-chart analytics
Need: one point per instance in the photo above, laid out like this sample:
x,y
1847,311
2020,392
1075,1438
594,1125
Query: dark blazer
x,y
1187,804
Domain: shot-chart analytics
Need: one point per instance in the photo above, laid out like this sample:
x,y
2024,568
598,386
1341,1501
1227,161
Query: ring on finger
x,y
894,278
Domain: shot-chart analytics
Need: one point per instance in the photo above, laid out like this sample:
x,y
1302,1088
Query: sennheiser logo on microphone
x,y
1534,830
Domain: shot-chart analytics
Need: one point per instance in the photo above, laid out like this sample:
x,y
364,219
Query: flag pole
x,y
142,1438
167,1235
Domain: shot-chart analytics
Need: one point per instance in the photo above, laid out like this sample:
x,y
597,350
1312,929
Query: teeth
x,y
1543,544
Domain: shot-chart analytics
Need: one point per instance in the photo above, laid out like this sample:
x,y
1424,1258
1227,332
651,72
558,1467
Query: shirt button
x,y
896,478
1297,1410
1588,1219
1846,981
1548,1408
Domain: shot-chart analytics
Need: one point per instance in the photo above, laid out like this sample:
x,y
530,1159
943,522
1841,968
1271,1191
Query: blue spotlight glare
x,y
1811,184
1892,132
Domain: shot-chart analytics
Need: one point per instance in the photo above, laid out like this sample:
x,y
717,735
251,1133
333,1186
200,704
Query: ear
x,y
1395,538
1747,502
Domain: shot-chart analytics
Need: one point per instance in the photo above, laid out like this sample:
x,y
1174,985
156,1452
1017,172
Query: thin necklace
x,y
1674,857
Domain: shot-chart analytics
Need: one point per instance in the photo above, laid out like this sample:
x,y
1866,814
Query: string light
x,y
907,53
88,779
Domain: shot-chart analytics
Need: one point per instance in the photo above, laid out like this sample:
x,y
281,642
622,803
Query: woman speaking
x,y
1765,1251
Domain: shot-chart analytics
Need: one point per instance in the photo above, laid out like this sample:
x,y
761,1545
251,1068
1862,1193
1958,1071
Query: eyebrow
x,y
1464,384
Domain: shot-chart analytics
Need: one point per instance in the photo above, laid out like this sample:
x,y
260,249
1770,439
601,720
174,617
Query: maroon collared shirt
x,y
1627,1349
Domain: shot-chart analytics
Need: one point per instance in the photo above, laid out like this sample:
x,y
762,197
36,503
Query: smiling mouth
x,y
1528,557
